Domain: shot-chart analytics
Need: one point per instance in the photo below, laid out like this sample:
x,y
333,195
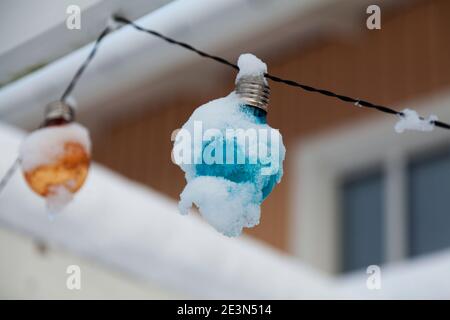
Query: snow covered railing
x,y
129,227
121,224
425,277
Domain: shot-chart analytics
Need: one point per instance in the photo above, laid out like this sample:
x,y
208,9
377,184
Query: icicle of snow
x,y
58,198
410,120
250,65
46,145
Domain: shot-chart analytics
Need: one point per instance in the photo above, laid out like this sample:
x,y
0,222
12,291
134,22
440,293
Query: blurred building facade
x,y
403,63
354,192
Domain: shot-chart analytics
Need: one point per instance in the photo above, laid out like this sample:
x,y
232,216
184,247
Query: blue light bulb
x,y
237,161
239,173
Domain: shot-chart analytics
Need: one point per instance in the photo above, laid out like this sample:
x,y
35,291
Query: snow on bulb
x,y
231,158
55,158
55,162
51,157
410,120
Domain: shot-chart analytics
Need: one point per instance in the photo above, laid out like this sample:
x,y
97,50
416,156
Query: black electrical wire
x,y
292,83
86,62
178,43
8,175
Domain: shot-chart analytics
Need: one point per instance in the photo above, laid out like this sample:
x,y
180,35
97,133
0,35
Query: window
x,y
344,218
362,199
429,203
363,210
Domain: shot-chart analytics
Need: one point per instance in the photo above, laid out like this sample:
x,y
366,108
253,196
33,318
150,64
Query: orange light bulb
x,y
56,157
70,170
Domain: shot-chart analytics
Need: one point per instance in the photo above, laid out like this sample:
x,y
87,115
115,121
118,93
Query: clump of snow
x,y
250,65
71,101
226,205
112,24
410,120
46,145
57,199
224,114
229,195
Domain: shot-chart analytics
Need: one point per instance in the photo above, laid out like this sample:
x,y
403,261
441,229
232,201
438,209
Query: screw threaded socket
x,y
254,91
59,111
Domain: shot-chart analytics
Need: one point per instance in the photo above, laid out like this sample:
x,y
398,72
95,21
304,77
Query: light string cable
x,y
12,169
292,83
85,63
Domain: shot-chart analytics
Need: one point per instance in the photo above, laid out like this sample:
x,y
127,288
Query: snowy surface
x,y
426,277
412,121
45,145
250,65
229,205
129,227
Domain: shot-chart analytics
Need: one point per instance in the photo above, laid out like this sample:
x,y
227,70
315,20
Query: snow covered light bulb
x,y
55,158
231,157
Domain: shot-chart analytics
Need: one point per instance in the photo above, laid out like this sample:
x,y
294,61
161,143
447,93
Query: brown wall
x,y
408,58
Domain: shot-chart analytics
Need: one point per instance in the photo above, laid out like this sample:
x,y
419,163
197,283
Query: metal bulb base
x,y
254,91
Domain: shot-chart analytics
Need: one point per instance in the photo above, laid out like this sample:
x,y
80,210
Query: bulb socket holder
x,y
254,90
58,112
